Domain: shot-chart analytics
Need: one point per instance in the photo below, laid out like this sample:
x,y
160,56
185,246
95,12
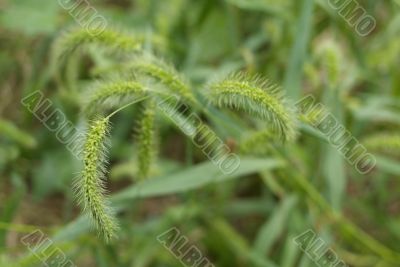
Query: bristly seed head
x,y
90,187
386,143
146,138
257,143
112,93
164,74
258,97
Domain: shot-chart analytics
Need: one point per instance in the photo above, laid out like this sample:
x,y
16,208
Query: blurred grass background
x,y
249,221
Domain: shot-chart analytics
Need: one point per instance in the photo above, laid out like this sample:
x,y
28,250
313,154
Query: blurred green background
x,y
249,218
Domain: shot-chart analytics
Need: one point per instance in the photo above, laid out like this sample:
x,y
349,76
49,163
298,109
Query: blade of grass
x,y
271,231
292,82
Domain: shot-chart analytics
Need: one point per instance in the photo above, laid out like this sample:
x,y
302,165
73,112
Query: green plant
x,y
90,188
241,92
156,177
388,143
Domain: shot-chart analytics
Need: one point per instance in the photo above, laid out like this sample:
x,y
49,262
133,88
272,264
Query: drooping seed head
x,y
387,143
257,97
108,38
90,186
111,93
146,139
164,73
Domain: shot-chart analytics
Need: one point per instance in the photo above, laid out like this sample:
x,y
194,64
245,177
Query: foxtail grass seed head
x,y
146,139
111,93
164,73
331,58
258,97
257,143
110,39
90,187
387,143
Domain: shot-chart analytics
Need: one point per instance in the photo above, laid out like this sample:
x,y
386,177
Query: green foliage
x,y
153,177
254,95
38,18
9,130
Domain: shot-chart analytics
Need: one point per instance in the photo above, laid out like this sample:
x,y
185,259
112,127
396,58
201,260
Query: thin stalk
x,y
127,105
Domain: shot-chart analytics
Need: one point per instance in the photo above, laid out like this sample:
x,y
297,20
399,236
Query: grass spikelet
x,y
257,143
146,139
109,94
164,73
332,66
90,187
257,97
331,59
110,39
388,143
